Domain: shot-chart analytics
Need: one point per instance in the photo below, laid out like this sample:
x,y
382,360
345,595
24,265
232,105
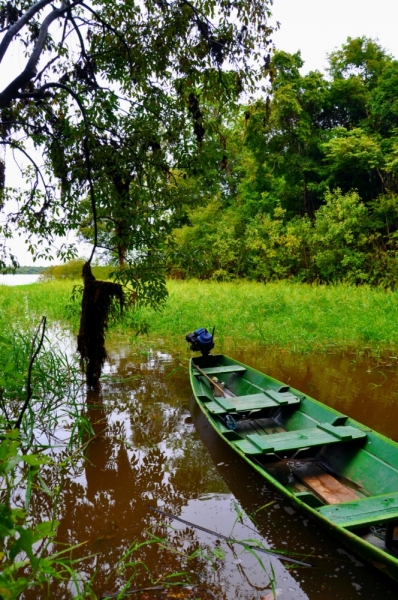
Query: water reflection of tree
x,y
146,452
140,455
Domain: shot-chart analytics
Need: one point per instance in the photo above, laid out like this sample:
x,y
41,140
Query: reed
x,y
25,303
297,317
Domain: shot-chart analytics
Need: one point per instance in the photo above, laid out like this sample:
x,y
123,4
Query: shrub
x,y
73,270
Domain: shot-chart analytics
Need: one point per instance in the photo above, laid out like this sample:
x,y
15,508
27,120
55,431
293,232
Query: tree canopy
x,y
116,104
312,187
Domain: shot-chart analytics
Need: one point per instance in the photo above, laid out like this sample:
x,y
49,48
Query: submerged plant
x,y
29,558
36,378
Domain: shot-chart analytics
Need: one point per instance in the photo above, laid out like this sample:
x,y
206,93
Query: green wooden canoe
x,y
335,469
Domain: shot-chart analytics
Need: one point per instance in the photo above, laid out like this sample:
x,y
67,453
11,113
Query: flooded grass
x,y
298,317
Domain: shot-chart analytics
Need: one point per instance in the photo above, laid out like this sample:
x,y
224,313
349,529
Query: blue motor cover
x,y
201,341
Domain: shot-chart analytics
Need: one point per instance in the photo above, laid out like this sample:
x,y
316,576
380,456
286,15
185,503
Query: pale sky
x,y
317,27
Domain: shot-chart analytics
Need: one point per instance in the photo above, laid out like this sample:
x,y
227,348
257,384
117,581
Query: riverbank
x,y
296,317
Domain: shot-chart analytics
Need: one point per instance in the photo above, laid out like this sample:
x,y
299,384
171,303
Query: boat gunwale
x,y
381,559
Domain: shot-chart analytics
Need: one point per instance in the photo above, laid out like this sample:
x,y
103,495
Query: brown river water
x,y
154,448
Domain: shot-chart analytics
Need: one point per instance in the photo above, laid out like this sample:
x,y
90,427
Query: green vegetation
x,y
20,537
35,397
310,186
30,270
122,118
73,270
297,317
292,316
20,305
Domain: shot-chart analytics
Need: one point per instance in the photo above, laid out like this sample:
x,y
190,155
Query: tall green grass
x,y
298,317
23,304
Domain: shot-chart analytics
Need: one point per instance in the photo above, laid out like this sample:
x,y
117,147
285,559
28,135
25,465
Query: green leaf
x,y
36,459
6,521
45,529
24,543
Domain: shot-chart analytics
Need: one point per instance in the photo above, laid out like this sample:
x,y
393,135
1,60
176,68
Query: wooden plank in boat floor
x,y
327,487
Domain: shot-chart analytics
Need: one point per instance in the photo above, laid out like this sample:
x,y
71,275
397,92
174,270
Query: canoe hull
x,y
262,460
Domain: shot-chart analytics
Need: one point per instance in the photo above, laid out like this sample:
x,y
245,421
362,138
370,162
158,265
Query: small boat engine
x,y
201,340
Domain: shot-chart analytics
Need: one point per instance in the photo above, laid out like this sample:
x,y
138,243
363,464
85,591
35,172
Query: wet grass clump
x,y
24,304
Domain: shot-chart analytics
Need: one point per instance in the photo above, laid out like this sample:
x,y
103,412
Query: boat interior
x,y
341,469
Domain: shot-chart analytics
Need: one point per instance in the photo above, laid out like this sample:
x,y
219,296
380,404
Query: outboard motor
x,y
201,340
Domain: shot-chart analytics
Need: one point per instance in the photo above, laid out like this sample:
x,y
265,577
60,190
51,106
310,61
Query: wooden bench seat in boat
x,y
323,434
364,511
266,399
220,370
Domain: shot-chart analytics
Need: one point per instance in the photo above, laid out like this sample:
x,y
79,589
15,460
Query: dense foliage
x,y
116,105
310,190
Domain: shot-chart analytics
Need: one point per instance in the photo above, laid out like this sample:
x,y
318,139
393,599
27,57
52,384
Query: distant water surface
x,y
18,279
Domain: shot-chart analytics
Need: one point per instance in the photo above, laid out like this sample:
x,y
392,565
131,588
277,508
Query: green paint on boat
x,y
335,469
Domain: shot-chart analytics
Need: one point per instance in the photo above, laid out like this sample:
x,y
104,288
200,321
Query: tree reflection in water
x,y
146,451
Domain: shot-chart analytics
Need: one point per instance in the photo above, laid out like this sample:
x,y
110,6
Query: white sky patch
x,y
317,27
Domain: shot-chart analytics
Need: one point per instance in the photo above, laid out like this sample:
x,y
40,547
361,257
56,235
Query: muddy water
x,y
153,448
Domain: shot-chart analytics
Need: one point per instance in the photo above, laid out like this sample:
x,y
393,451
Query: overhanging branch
x,y
16,28
30,71
15,146
86,153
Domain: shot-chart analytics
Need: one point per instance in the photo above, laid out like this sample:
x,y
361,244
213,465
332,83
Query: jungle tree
x,y
89,65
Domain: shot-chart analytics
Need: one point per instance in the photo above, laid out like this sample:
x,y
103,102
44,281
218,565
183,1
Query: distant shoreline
x,y
30,270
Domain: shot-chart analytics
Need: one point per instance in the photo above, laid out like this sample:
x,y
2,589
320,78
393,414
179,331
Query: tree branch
x,y
16,28
86,154
33,355
15,146
55,58
4,409
30,71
